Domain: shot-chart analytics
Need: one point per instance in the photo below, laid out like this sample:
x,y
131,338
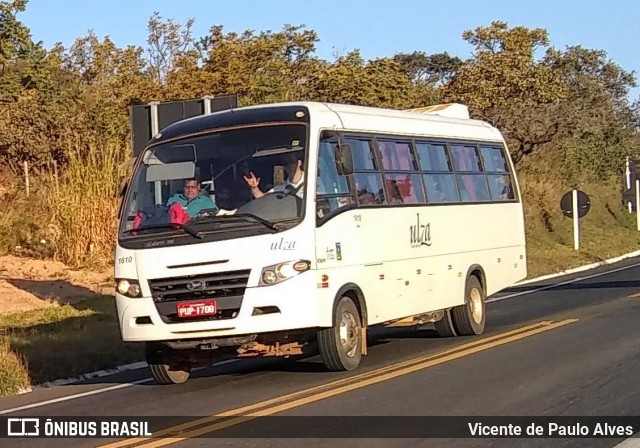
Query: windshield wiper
x,y
263,221
239,217
174,225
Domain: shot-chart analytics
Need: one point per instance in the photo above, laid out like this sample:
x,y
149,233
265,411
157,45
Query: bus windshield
x,y
243,176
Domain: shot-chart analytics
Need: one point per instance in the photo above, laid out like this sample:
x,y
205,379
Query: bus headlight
x,y
280,272
128,287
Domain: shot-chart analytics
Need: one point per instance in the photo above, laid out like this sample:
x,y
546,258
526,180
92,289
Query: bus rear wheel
x,y
166,369
469,319
341,346
444,326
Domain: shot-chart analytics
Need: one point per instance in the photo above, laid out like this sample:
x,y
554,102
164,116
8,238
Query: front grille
x,y
226,288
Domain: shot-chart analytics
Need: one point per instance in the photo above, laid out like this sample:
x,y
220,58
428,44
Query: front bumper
x,y
297,303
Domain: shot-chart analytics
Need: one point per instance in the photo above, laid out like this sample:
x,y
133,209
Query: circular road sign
x,y
566,204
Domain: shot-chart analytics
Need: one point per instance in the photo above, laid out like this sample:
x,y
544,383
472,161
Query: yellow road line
x,y
293,395
310,395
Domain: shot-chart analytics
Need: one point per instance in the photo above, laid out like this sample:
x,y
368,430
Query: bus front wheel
x,y
341,346
469,319
164,368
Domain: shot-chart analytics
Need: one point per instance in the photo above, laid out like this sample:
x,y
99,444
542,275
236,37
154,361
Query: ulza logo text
x,y
420,233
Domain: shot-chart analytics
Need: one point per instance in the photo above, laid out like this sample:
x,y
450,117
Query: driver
x,y
295,177
191,200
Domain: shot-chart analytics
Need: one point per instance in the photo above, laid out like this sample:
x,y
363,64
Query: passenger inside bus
x,y
180,208
293,167
366,197
192,200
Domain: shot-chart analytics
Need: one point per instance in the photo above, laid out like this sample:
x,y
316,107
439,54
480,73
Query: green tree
x,y
15,44
351,80
506,85
261,67
598,120
42,112
435,69
14,36
168,41
112,79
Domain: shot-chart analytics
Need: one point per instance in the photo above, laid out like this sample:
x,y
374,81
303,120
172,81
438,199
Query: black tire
x,y
165,370
469,319
445,327
341,345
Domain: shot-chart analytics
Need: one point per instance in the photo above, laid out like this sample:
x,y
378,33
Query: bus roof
x,y
425,119
444,120
453,110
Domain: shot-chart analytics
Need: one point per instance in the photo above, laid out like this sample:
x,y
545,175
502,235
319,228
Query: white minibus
x,y
269,230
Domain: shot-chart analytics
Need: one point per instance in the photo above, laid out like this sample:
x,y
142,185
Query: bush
x,y
25,222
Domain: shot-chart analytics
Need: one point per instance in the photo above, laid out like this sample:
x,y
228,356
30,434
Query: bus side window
x,y
438,173
471,179
498,175
401,172
367,177
332,189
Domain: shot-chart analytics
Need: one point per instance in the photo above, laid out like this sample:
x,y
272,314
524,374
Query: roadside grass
x,y
13,371
61,341
600,239
607,231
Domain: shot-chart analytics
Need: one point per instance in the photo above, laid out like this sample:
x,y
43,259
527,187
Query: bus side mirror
x,y
344,159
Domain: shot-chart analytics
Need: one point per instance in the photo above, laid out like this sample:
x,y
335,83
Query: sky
x,y
374,27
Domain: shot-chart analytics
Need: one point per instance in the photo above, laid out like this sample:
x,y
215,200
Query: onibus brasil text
x,y
107,428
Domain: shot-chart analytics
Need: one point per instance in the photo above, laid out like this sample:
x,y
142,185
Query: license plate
x,y
196,309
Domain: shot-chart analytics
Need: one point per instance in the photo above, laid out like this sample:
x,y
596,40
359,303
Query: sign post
x,y
576,204
632,173
638,202
576,221
628,184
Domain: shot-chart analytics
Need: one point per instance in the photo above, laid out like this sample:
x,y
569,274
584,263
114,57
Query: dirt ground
x,y
27,283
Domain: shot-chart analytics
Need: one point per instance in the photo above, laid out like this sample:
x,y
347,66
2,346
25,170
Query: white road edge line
x,y
555,285
71,397
92,375
582,268
97,391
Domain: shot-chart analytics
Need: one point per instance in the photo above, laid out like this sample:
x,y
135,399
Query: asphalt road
x,y
568,346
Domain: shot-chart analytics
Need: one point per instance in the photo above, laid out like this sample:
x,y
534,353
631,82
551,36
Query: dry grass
x,y
70,216
84,203
14,375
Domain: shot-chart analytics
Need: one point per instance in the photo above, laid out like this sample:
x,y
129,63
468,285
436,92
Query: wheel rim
x,y
348,334
178,376
475,301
